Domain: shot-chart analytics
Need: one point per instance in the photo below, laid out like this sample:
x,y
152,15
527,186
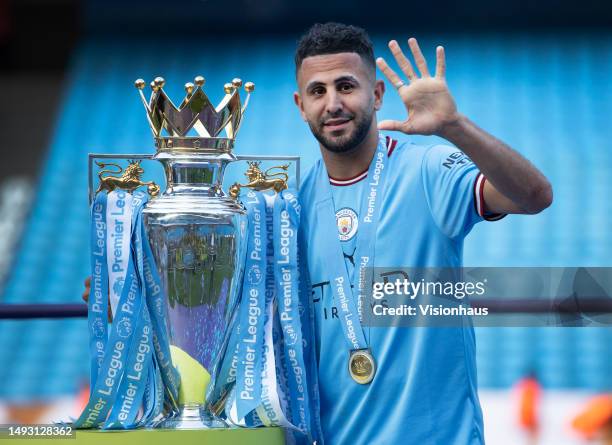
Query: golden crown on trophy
x,y
196,115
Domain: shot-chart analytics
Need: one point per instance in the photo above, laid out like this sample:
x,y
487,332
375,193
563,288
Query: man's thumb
x,y
390,125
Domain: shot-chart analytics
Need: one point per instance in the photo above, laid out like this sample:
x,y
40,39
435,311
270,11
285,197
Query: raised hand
x,y
431,108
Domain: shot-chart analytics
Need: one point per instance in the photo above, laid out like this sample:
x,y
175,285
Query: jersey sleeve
x,y
454,190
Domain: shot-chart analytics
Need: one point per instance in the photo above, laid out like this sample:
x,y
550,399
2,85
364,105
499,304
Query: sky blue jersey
x,y
424,391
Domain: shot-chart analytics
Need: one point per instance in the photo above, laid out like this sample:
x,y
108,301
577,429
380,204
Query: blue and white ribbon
x,y
264,369
286,223
98,303
283,394
129,360
252,309
349,300
118,217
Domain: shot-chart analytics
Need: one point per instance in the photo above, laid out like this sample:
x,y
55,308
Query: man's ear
x,y
379,91
298,102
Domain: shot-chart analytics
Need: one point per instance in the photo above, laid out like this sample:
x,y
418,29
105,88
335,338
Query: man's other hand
x,y
85,297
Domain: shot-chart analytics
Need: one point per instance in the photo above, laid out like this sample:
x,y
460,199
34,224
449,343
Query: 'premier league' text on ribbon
x,y
135,374
251,326
98,252
286,254
350,299
117,265
374,181
348,316
285,232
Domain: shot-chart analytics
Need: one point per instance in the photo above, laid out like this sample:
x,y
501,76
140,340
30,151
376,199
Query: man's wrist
x,y
452,129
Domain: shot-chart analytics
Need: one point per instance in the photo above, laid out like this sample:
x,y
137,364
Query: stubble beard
x,y
345,143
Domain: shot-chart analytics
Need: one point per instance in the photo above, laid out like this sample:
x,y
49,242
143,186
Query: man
x,y
392,204
423,390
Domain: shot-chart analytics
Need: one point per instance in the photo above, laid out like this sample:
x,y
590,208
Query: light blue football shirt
x,y
424,391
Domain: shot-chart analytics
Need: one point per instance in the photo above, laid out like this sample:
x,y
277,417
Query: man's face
x,y
338,96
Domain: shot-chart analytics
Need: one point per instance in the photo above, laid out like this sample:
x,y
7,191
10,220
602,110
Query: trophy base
x,y
191,417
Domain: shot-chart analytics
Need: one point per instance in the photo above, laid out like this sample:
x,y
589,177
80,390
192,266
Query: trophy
x,y
197,235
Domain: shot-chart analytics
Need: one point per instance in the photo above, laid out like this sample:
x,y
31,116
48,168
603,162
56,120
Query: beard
x,y
346,142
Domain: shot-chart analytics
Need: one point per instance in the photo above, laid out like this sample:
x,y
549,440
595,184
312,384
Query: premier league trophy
x,y
197,235
184,349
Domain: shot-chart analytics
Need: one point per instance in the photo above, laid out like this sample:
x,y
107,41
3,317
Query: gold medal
x,y
362,366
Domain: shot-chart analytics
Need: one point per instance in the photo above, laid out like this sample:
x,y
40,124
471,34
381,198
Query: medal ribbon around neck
x,y
344,296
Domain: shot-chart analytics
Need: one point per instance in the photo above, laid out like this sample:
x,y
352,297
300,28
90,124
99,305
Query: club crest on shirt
x,y
347,221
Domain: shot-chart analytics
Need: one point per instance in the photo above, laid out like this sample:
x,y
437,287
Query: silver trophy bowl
x,y
198,236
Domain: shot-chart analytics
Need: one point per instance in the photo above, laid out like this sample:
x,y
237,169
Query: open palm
x,y
427,99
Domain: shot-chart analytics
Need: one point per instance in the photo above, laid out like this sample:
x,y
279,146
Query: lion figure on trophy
x,y
129,179
259,180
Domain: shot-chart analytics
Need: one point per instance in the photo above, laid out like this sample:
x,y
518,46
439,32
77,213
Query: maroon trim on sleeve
x,y
479,200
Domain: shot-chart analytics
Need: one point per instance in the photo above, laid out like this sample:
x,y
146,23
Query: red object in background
x,y
82,398
595,416
529,404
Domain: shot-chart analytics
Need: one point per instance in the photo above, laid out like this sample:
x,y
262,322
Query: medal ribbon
x,y
252,309
104,392
282,365
128,362
369,215
133,383
286,223
98,303
118,217
273,406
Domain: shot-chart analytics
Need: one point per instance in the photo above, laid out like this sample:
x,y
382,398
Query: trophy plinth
x,y
191,417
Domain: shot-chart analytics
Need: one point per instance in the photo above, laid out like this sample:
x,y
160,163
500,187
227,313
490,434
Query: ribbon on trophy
x,y
268,366
267,373
130,361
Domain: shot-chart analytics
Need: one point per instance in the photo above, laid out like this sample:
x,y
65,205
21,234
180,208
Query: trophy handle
x,y
274,178
117,177
234,190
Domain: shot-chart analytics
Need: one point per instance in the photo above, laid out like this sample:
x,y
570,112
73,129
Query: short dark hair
x,y
334,38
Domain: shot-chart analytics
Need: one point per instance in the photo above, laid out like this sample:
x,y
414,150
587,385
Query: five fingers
x,y
406,66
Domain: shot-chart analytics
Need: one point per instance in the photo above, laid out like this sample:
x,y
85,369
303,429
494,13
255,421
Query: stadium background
x,y
537,75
